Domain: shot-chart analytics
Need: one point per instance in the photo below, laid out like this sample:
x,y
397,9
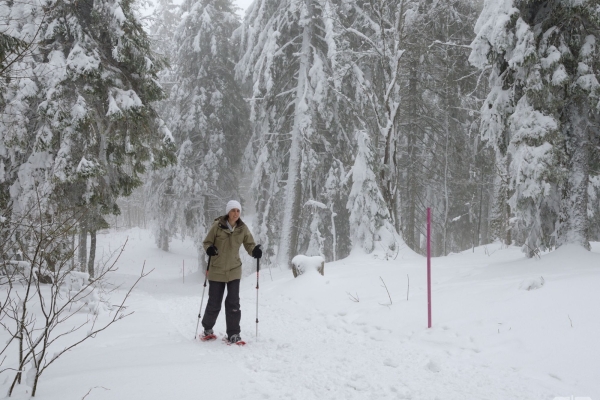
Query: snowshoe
x,y
207,335
235,339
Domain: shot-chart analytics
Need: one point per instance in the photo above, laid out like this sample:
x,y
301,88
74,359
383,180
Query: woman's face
x,y
234,215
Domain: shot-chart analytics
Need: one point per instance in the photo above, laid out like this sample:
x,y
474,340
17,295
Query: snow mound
x,y
304,264
532,283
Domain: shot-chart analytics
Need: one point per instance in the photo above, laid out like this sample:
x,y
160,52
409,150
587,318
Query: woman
x,y
222,244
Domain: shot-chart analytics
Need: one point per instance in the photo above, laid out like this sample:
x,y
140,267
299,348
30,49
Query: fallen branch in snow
x,y
89,391
353,298
568,316
388,292
487,252
407,286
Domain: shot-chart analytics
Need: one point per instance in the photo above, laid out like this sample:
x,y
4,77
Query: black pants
x,y
233,313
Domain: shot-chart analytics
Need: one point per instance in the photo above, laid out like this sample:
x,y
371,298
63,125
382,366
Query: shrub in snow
x,y
83,296
44,321
302,264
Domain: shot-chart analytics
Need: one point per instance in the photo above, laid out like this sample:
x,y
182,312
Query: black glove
x,y
212,251
257,252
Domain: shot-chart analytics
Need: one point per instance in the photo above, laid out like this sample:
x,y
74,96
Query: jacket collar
x,y
223,222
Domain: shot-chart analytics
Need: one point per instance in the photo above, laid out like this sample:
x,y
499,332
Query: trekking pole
x,y
202,301
257,271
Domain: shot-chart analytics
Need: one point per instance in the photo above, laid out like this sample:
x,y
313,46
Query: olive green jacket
x,y
227,266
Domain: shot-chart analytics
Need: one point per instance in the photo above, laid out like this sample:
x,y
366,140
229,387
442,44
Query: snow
x,y
560,75
81,62
307,264
552,57
122,100
119,14
491,30
588,82
85,166
315,203
491,338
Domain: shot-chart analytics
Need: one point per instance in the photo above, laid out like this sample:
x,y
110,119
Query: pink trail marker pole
x,y
429,268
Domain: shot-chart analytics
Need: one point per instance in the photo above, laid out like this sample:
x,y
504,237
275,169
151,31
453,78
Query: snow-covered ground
x,y
338,336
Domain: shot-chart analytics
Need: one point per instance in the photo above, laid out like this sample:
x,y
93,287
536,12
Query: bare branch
x,y
388,292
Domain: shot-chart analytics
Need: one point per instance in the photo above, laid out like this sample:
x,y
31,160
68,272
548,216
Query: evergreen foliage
x,y
337,122
288,58
368,214
208,117
78,127
541,114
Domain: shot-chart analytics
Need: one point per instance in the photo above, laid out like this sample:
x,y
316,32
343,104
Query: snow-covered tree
x,y
289,54
369,216
78,121
438,146
374,32
413,90
208,117
541,115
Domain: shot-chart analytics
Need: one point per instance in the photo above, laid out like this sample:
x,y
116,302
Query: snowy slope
x,y
492,338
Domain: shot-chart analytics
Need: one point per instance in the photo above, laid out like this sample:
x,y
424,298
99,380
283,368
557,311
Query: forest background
x,y
336,123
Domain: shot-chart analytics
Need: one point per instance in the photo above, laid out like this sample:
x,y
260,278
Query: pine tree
x,y
540,113
438,109
369,217
289,53
413,89
85,125
208,117
375,32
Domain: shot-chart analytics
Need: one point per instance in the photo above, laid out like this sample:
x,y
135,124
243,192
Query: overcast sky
x,y
243,4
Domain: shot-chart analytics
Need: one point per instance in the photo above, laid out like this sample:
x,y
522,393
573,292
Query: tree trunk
x,y
82,249
446,194
412,235
485,229
477,242
92,259
573,219
333,233
73,252
291,215
164,239
508,239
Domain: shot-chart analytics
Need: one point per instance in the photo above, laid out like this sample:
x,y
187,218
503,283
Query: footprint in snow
x,y
433,367
388,362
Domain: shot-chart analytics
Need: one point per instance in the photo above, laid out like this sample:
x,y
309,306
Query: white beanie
x,y
233,204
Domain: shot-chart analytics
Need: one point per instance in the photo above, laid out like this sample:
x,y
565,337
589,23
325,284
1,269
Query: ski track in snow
x,y
314,355
309,353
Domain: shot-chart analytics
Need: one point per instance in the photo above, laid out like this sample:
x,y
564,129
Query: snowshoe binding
x,y
207,335
235,339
